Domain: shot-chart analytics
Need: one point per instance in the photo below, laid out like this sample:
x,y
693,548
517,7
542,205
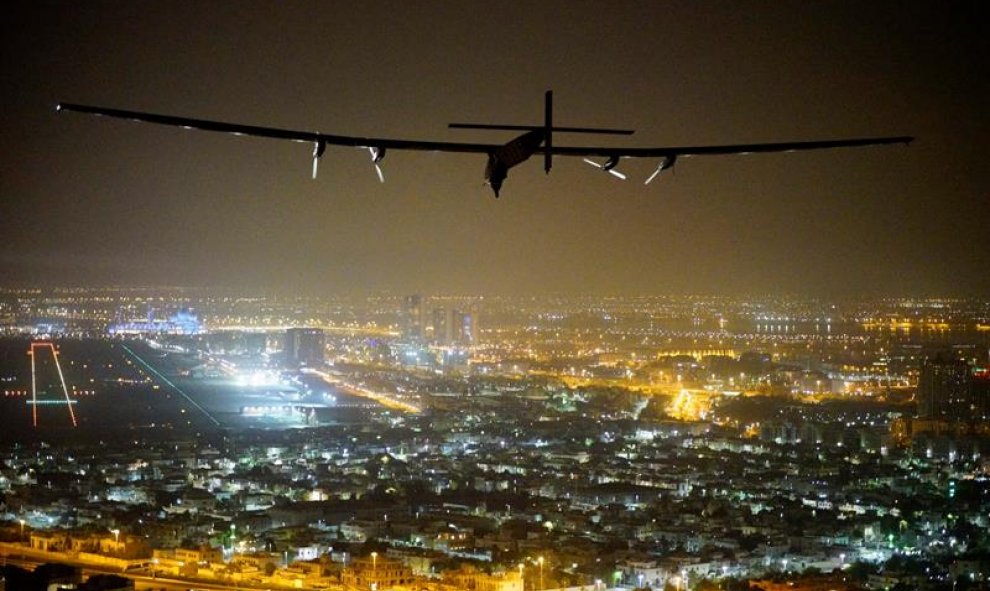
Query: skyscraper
x,y
944,389
980,392
412,318
467,323
442,326
305,347
454,327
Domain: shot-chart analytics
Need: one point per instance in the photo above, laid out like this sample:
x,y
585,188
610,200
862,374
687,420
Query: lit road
x,y
146,582
354,390
345,330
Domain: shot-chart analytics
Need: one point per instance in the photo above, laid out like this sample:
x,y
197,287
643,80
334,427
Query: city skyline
x,y
182,439
97,203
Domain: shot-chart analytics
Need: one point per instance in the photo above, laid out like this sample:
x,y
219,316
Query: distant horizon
x,y
265,292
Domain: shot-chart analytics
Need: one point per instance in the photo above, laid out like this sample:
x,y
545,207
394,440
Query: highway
x,y
354,390
144,581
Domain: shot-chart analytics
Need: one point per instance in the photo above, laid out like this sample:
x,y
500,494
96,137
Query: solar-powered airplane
x,y
501,157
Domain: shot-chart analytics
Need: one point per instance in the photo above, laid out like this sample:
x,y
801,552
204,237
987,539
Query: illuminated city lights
x,y
615,422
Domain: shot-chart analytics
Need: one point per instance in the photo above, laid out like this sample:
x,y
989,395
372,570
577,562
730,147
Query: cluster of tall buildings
x,y
438,324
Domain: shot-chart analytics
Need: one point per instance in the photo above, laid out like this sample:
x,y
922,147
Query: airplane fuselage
x,y
509,155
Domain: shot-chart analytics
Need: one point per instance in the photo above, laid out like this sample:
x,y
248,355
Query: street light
x,y
374,562
116,535
521,578
22,529
540,559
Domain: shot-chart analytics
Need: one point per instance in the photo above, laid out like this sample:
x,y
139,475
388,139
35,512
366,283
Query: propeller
x,y
608,166
377,154
667,162
319,147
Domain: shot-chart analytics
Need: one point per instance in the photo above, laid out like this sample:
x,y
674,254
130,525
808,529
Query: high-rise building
x,y
305,347
467,323
945,389
454,327
412,318
442,326
980,391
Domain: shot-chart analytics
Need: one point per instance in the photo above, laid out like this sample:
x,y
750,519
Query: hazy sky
x,y
89,201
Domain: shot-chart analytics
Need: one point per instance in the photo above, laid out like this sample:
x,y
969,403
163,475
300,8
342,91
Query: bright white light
x,y
256,378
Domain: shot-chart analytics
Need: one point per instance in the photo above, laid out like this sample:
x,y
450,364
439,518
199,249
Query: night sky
x,y
91,201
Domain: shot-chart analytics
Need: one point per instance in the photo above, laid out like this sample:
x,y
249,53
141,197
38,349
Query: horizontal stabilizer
x,y
536,127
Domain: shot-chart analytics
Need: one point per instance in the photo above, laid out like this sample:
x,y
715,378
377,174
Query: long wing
x,y
674,151
311,137
315,137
